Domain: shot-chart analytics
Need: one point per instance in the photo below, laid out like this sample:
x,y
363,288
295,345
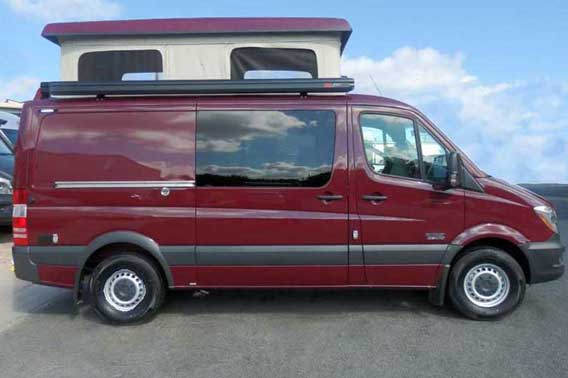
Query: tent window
x,y
266,63
115,65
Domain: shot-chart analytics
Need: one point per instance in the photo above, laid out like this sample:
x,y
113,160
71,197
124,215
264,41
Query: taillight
x,y
20,217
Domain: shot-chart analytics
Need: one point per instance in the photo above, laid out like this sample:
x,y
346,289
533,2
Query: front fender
x,y
472,234
489,230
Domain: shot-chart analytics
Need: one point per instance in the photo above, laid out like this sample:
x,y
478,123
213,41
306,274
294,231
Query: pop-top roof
x,y
198,26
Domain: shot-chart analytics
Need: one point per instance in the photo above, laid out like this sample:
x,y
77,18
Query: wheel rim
x,y
486,285
124,290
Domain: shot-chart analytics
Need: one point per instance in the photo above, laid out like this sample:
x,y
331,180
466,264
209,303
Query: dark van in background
x,y
263,183
6,172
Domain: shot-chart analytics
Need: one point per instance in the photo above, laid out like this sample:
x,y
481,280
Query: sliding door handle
x,y
330,197
374,197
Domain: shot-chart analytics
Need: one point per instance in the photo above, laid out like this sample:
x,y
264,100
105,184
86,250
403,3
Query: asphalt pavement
x,y
285,333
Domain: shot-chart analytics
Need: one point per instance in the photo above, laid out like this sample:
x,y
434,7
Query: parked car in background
x,y
5,199
6,173
9,125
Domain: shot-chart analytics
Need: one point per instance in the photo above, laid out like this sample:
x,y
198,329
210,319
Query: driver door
x,y
405,224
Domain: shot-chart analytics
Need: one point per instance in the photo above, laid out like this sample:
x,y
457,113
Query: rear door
x,y
406,225
272,195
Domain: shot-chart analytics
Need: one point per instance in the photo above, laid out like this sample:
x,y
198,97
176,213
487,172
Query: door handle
x,y
374,197
330,197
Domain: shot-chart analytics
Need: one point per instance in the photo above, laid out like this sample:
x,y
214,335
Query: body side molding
x,y
272,255
404,254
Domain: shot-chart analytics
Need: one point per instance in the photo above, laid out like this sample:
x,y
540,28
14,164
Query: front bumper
x,y
24,267
546,259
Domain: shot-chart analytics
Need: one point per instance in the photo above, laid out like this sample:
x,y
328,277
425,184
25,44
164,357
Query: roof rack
x,y
183,87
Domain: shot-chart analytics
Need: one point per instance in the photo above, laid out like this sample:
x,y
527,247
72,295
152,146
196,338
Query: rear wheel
x,y
126,288
486,283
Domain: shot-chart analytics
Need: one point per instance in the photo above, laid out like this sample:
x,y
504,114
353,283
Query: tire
x,y
495,284
126,288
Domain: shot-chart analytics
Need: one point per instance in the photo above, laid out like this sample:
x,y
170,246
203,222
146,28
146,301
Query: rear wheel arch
x,y
121,241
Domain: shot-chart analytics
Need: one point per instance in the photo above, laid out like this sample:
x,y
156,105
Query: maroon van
x,y
132,188
128,196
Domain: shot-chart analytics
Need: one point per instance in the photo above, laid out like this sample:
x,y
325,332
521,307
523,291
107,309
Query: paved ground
x,y
282,334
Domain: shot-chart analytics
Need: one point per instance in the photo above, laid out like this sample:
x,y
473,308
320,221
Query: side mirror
x,y
453,174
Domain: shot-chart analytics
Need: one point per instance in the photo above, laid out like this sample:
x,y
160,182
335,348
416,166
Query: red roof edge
x,y
178,26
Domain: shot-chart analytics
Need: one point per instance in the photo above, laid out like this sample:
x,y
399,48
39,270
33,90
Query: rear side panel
x,y
102,148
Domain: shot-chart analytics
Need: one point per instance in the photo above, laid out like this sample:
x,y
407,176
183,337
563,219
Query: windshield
x,y
4,149
9,124
11,134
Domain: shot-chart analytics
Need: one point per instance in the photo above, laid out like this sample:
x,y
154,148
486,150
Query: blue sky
x,y
495,78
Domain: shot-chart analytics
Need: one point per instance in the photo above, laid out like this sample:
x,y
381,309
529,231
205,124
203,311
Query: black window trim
x,y
333,160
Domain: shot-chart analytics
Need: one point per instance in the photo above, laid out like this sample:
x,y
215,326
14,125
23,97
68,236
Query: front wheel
x,y
486,283
126,288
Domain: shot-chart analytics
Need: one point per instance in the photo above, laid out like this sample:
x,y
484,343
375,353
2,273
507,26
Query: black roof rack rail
x,y
182,87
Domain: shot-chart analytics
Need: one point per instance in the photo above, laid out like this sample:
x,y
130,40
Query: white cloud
x,y
20,88
66,10
518,131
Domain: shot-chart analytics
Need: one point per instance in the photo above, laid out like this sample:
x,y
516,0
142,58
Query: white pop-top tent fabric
x,y
201,48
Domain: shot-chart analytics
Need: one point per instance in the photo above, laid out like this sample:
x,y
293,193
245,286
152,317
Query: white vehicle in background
x,y
9,125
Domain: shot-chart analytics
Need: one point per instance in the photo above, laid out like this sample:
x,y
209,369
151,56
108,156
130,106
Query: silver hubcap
x,y
486,285
124,290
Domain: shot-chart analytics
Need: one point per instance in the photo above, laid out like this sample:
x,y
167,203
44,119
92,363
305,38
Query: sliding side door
x,y
271,192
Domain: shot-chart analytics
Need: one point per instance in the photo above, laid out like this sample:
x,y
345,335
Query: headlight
x,y
5,186
548,215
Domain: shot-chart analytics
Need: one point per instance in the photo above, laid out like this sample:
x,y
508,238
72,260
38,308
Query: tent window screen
x,y
114,65
266,63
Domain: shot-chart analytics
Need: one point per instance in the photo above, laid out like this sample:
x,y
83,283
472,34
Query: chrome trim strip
x,y
122,184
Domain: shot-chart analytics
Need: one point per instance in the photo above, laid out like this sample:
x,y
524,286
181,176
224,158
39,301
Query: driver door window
x,y
390,145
